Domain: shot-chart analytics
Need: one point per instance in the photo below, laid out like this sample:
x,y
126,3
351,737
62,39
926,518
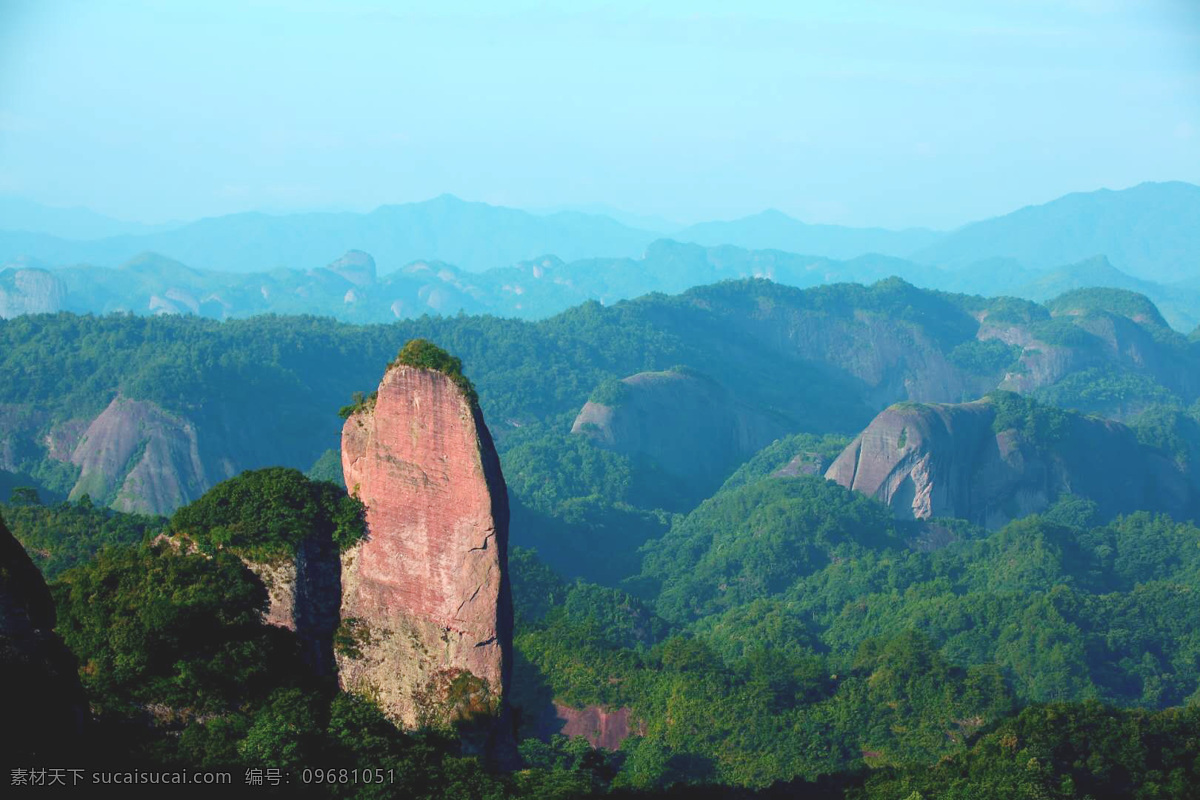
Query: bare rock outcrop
x,y
426,602
141,457
355,266
602,727
950,461
30,291
304,596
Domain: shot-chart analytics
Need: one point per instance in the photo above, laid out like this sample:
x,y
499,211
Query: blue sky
x,y
861,113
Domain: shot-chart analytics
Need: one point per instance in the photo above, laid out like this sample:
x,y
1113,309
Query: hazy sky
x,y
864,113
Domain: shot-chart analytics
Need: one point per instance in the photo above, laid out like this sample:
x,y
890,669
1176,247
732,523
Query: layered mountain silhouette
x,y
1146,231
475,236
774,230
351,288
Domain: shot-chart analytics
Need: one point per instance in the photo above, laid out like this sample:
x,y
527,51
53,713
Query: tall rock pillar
x,y
426,607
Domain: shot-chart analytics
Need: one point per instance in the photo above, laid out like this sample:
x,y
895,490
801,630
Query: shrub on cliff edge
x,y
427,355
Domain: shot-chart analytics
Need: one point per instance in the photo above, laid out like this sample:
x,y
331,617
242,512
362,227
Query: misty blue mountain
x,y
379,290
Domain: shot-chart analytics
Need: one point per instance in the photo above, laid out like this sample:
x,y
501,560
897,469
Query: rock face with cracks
x,y
303,593
426,606
948,460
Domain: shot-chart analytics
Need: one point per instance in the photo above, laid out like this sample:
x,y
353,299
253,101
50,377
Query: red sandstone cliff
x,y
426,596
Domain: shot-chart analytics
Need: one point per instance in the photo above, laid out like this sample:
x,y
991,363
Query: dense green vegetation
x,y
769,714
782,630
874,655
75,365
586,509
803,637
798,454
1173,431
523,370
1036,421
1058,752
266,514
985,357
788,686
182,672
755,540
152,625
611,392
1007,310
1098,389
1122,302
62,535
1064,333
263,391
328,468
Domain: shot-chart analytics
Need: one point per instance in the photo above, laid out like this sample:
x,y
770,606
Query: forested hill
x,y
144,414
747,625
788,632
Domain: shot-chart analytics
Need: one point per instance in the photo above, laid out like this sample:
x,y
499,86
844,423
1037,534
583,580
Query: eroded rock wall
x,y
145,459
304,594
425,598
947,461
30,291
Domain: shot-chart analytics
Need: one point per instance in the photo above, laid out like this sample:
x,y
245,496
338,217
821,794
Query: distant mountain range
x,y
475,236
1147,232
1150,231
351,289
774,230
18,214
